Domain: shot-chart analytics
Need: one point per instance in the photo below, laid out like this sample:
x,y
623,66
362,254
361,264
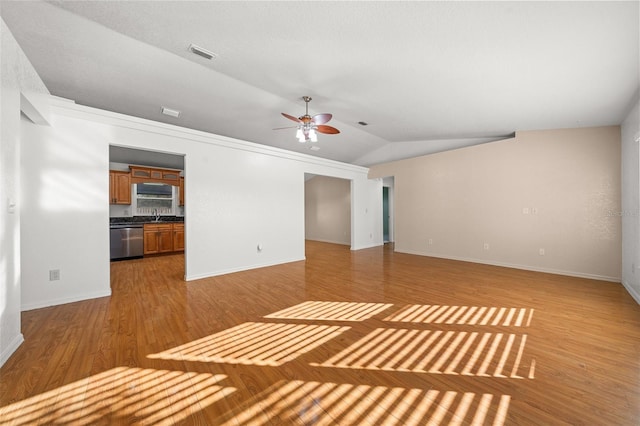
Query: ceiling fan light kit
x,y
308,127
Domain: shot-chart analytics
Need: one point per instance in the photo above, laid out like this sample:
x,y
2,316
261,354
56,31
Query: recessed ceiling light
x,y
170,112
200,51
363,123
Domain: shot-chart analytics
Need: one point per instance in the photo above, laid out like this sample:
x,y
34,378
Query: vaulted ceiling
x,y
425,76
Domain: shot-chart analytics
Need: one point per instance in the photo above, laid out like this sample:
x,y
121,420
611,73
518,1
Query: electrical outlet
x,y
525,210
486,246
430,241
541,252
54,274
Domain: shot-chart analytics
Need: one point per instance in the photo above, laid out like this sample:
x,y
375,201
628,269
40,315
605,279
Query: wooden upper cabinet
x,y
141,174
181,192
155,174
171,175
119,187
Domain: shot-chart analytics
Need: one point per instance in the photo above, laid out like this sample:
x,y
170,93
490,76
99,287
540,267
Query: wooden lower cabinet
x,y
178,237
158,238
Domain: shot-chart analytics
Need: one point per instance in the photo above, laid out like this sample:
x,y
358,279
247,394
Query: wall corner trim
x,y
11,348
632,291
36,107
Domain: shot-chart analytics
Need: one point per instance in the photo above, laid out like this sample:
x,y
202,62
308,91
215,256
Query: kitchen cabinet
x,y
141,174
178,237
119,187
171,176
181,192
158,238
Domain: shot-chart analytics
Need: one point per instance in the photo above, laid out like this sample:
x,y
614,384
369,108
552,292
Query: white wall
x,y
18,81
556,190
630,212
238,195
65,212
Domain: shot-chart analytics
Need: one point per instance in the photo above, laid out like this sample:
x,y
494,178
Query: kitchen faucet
x,y
156,214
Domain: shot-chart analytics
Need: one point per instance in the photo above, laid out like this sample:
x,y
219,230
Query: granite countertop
x,y
144,219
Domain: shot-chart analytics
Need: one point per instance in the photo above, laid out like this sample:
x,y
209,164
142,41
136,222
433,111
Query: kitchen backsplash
x,y
117,210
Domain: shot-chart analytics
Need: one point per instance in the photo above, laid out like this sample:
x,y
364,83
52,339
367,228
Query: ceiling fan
x,y
308,126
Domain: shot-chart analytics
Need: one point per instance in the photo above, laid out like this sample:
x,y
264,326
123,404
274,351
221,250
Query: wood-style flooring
x,y
369,337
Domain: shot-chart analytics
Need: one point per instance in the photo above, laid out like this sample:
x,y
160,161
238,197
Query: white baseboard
x,y
11,348
342,243
372,245
516,266
64,300
632,291
233,270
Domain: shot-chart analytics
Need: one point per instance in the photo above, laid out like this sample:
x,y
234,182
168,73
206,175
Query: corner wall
x,y
503,202
18,78
630,212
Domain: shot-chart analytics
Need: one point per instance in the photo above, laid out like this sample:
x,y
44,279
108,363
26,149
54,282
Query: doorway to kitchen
x,y
146,205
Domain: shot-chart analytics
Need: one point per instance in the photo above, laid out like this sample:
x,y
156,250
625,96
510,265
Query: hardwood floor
x,y
367,337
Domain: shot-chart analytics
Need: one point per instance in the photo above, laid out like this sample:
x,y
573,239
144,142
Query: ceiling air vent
x,y
202,52
170,112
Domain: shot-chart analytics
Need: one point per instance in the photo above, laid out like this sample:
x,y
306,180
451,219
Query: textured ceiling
x,y
426,76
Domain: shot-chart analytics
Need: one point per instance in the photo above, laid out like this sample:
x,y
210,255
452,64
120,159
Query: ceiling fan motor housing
x,y
308,126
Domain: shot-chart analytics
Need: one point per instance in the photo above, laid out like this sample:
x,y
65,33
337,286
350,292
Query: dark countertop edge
x,y
145,219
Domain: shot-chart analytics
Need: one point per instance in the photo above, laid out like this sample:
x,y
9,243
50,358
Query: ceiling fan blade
x,y
291,117
322,118
288,127
327,130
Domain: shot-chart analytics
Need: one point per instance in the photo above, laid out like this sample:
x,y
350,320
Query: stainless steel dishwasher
x,y
126,241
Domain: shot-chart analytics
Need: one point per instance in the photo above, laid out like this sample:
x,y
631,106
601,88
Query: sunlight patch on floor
x,y
435,352
142,396
463,315
255,344
331,311
317,403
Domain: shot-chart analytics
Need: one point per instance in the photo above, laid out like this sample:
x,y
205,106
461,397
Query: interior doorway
x,y
388,209
327,209
385,214
157,200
